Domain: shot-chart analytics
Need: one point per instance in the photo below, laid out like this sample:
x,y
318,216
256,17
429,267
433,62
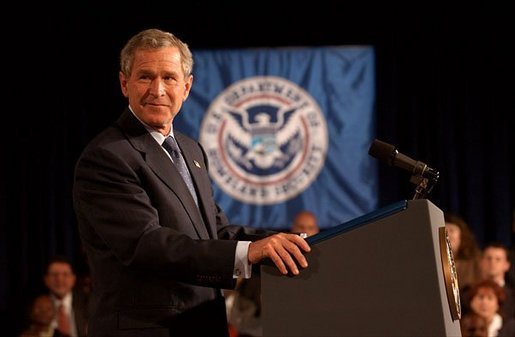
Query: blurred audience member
x,y
494,265
465,250
71,304
473,325
486,298
305,222
41,313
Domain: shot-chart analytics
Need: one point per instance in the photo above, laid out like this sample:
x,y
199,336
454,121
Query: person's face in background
x,y
485,303
60,279
473,325
494,263
454,235
305,223
156,87
42,311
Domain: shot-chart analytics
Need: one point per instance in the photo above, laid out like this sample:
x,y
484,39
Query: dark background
x,y
445,88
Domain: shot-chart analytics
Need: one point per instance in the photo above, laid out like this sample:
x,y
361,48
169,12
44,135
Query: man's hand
x,y
283,249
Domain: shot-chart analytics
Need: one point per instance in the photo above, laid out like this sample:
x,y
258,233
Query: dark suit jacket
x,y
80,306
508,307
156,270
508,328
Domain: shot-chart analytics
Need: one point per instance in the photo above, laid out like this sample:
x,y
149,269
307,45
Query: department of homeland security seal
x,y
266,140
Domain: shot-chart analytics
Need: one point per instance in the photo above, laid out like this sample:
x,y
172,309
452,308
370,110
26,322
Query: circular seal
x,y
266,140
450,275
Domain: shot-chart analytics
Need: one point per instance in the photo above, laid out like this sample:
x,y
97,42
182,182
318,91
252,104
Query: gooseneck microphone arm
x,y
422,175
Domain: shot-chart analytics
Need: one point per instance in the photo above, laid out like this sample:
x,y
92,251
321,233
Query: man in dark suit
x,y
159,254
70,302
494,265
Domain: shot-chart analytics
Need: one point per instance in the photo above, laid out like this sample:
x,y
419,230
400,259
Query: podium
x,y
387,273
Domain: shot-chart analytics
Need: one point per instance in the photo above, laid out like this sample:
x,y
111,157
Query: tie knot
x,y
171,145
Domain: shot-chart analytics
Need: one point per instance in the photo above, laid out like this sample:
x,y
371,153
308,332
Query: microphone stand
x,y
424,185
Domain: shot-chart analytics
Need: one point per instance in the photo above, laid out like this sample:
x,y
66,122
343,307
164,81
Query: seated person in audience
x,y
465,250
485,298
305,222
473,325
60,280
41,313
494,265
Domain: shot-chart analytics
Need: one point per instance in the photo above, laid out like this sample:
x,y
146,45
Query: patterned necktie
x,y
171,146
63,321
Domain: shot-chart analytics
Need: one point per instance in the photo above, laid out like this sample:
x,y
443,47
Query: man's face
x,y
305,223
494,263
60,279
156,87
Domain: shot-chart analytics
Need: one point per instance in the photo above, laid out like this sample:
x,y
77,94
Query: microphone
x,y
389,154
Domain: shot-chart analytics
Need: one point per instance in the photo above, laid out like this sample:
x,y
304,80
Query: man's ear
x,y
123,83
187,87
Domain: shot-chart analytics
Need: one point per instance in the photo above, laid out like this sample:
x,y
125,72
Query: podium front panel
x,y
381,278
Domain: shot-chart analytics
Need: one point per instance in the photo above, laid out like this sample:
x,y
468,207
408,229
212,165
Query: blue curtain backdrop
x,y
286,129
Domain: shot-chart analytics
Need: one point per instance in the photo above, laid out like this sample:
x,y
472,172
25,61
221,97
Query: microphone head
x,y
382,151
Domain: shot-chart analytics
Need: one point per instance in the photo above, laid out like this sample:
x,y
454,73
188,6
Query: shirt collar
x,y
495,325
66,300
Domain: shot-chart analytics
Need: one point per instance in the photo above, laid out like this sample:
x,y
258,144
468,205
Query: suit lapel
x,y
159,162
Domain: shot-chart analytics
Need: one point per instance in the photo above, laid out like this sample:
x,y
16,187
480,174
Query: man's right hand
x,y
284,249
